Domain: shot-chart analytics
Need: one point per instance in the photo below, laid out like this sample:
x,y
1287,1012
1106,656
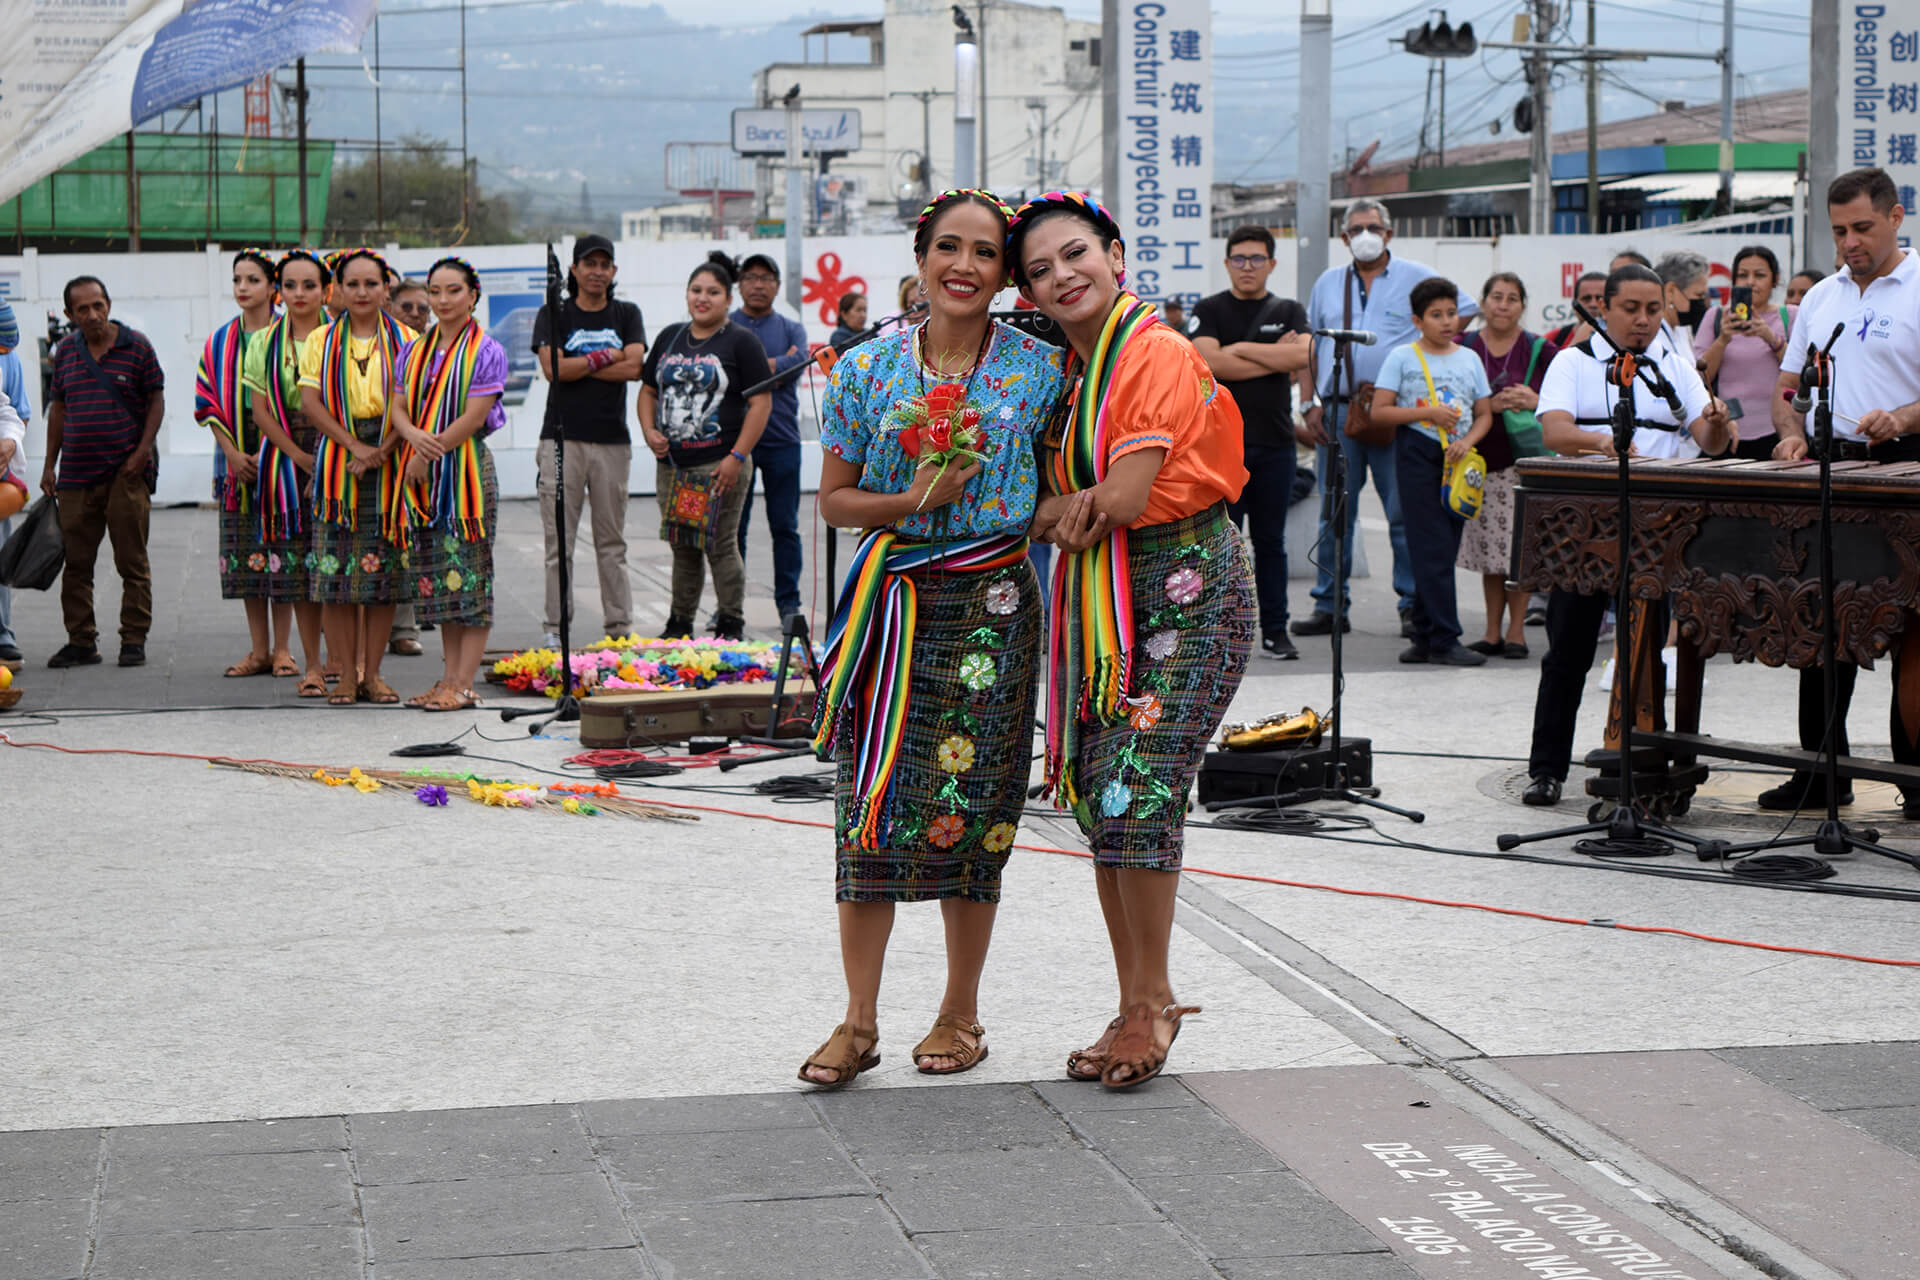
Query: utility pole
x,y
797,178
1823,130
966,78
1725,202
1540,215
1593,125
1040,164
300,135
1311,204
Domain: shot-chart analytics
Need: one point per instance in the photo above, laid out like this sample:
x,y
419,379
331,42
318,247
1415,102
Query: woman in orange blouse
x,y
1153,605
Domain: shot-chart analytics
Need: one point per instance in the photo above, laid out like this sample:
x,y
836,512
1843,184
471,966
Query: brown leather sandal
x,y
378,691
254,664
450,699
944,1042
311,686
419,700
1088,1063
343,695
1126,1051
284,666
839,1056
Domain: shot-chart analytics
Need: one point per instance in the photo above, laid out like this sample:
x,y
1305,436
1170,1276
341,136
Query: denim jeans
x,y
1361,459
1262,510
777,467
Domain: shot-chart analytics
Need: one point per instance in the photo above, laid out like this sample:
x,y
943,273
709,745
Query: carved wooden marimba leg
x,y
1906,697
1647,630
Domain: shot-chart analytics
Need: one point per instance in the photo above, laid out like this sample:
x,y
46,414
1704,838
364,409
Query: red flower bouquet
x,y
938,427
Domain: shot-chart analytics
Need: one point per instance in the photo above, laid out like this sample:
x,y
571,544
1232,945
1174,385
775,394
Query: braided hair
x,y
1073,204
923,229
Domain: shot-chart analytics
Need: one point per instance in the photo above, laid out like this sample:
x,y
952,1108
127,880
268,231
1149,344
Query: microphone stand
x,y
1334,782
1628,832
1832,837
911,314
567,708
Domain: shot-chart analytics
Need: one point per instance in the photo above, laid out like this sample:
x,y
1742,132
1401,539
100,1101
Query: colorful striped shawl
x,y
865,676
279,481
451,497
1090,631
220,405
336,490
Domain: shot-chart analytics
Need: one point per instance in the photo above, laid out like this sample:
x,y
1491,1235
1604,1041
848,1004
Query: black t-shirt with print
x,y
1266,403
700,382
593,409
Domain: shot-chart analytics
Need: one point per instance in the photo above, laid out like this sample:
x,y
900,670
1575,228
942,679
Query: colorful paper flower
x,y
945,831
955,754
1144,712
1183,585
432,795
1161,644
977,671
1115,799
1003,597
999,837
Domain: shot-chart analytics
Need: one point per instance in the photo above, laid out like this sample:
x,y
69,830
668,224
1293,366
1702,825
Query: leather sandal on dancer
x,y
420,700
945,1041
449,698
378,691
343,695
284,666
1136,1057
254,664
1088,1063
312,685
840,1056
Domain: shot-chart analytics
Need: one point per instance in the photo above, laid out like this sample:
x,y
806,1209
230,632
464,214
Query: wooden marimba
x,y
1734,547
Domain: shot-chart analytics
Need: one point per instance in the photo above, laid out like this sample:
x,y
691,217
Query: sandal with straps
x,y
1155,1057
839,1056
420,700
378,691
254,664
1088,1063
944,1042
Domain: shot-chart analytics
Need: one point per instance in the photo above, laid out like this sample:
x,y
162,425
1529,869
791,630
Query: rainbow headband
x,y
1024,217
337,261
954,193
304,255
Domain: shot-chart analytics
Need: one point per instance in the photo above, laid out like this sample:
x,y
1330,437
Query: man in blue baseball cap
x,y
13,385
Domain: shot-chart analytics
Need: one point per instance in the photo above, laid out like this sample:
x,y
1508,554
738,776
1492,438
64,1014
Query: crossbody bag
x,y
1463,483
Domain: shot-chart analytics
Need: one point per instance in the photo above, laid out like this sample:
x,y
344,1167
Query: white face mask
x,y
1367,246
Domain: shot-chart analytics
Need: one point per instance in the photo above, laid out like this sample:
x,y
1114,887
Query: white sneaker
x,y
550,640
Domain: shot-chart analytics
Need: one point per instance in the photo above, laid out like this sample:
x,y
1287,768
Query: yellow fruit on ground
x,y
6,679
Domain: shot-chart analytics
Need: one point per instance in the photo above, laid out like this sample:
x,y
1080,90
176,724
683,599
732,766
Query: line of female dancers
x,y
1122,452
353,474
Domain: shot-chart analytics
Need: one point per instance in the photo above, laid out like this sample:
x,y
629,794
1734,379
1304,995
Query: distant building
x,y
1039,107
1656,170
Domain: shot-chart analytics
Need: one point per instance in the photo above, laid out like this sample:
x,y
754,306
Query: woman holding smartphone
x,y
1739,347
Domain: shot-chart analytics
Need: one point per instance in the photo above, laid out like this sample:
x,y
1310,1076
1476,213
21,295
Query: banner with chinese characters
x,y
1164,61
1880,92
76,73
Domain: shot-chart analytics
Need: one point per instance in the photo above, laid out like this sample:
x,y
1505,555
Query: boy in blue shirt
x,y
1436,395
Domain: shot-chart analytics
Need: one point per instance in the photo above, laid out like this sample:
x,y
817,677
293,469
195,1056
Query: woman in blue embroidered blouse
x,y
927,690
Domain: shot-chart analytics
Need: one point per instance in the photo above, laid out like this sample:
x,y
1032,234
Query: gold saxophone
x,y
1284,730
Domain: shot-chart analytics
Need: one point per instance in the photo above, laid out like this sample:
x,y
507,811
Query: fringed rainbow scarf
x,y
452,496
1090,632
220,405
279,483
865,674
336,490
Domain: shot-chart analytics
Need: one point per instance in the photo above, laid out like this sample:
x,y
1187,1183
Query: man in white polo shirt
x,y
1875,298
1576,416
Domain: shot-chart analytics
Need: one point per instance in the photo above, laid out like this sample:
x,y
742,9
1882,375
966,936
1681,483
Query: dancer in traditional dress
x,y
222,404
283,489
346,383
446,404
928,703
1153,603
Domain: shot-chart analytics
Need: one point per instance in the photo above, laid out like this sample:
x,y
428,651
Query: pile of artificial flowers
x,y
635,664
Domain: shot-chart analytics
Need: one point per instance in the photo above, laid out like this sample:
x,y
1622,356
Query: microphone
x,y
1657,383
1359,337
1803,398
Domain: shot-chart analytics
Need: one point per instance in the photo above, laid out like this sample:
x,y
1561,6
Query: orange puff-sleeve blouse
x,y
1163,396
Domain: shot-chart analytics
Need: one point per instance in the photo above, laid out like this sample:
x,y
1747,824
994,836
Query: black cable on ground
x,y
797,786
1783,867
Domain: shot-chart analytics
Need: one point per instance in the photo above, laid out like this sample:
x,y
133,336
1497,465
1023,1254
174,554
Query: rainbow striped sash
x,y
220,405
865,677
336,490
1090,627
453,496
279,497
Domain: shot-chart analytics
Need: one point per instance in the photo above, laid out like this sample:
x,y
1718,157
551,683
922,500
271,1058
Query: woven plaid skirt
x,y
1193,618
276,569
452,578
359,565
966,752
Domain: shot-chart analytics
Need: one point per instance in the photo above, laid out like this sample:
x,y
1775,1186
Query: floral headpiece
x,y
953,193
309,255
264,257
339,259
455,260
1079,201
